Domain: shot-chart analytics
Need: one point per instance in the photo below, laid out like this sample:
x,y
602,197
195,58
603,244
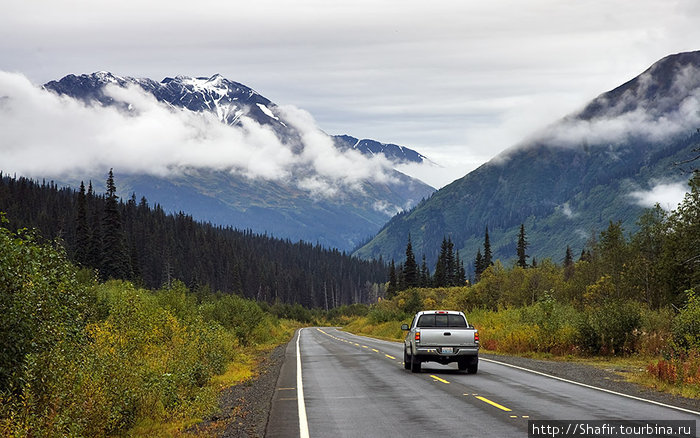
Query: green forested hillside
x,y
134,241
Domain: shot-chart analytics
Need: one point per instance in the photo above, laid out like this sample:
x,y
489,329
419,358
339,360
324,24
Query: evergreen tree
x,y
440,276
410,267
94,254
488,257
115,257
401,278
568,264
393,286
522,247
461,274
82,232
586,256
424,274
450,265
478,265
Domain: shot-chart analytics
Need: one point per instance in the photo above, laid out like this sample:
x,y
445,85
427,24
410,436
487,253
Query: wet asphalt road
x,y
355,386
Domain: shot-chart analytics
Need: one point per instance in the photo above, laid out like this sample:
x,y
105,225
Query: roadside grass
x,y
688,390
242,369
388,331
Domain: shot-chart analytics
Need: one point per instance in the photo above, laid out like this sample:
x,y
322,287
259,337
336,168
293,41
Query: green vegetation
x,y
83,358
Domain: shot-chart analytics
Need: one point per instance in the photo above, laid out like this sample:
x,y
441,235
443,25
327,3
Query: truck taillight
x,y
417,336
476,336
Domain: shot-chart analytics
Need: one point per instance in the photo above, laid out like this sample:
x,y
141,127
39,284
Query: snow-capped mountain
x,y
395,153
227,99
289,207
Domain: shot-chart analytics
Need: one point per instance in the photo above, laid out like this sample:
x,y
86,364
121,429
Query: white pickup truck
x,y
442,336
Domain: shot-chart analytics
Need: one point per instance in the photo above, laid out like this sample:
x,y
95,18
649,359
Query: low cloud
x,y
667,195
566,210
634,114
387,208
47,135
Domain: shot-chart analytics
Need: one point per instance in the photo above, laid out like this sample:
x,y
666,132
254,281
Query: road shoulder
x,y
594,376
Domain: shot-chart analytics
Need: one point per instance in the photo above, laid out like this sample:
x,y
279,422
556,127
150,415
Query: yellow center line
x,y
364,346
439,379
375,350
492,403
390,357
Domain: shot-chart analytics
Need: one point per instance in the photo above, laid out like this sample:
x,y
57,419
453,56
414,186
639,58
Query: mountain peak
x,y
658,90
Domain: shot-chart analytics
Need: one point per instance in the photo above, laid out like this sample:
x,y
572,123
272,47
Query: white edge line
x,y
303,423
592,387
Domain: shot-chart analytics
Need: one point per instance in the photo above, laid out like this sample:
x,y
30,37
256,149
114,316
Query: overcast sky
x,y
459,81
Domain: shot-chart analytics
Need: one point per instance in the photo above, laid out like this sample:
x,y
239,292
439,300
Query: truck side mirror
x,y
404,326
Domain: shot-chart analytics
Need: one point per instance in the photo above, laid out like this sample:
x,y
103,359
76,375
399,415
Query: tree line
x,y
449,270
144,244
655,265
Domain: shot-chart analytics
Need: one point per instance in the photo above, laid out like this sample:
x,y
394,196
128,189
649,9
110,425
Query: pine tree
x,y
460,274
478,265
82,232
94,253
568,264
488,257
410,268
401,280
450,265
424,274
393,286
522,247
440,276
115,257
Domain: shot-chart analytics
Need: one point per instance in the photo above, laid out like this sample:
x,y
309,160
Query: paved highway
x,y
355,386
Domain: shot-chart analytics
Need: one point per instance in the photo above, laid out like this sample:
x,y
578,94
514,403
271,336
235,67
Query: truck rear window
x,y
441,320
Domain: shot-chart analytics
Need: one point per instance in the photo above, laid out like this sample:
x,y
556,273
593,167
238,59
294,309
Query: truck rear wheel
x,y
406,360
462,364
472,368
415,364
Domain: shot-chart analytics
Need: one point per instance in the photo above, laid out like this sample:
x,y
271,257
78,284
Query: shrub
x,y
237,314
611,328
686,325
42,303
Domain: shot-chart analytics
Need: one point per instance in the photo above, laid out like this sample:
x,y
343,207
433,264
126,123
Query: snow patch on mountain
x,y
267,111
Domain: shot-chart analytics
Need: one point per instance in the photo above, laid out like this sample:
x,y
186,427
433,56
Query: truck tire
x,y
415,364
472,368
406,360
462,364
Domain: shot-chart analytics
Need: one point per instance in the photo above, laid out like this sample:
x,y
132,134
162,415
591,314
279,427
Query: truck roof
x,y
439,312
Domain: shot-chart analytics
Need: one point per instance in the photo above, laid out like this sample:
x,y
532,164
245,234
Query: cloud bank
x,y
634,114
46,135
667,194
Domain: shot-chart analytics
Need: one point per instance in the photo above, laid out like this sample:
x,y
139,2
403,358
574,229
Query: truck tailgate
x,y
447,337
